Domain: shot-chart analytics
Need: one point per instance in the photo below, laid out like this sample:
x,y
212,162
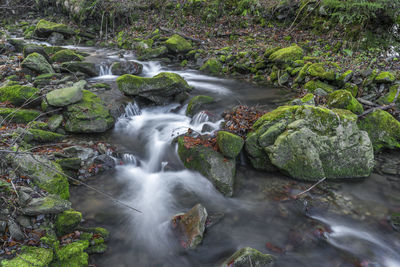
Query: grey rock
x,y
320,92
56,38
23,198
55,122
24,221
84,153
66,96
15,230
249,257
3,226
126,67
51,204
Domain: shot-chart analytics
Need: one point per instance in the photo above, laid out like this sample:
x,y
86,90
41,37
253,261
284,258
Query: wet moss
x,y
66,55
196,102
72,255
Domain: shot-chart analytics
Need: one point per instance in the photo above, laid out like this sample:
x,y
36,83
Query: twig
x,y
366,102
309,189
384,107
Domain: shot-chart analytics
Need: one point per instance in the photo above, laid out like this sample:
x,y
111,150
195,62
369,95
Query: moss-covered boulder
x,y
229,144
308,99
66,96
45,28
383,129
311,143
55,122
18,94
178,44
126,67
18,115
40,136
66,55
30,256
73,255
67,221
50,204
86,68
34,48
45,79
90,115
44,173
160,89
322,71
151,53
344,100
212,66
385,77
212,164
37,63
352,88
344,77
249,257
287,54
390,96
312,85
197,103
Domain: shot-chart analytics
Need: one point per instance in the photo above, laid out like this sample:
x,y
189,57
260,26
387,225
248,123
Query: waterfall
x,y
105,69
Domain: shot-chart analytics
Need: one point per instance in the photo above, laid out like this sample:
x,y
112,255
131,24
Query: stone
x,y
311,143
344,100
212,66
45,28
287,54
67,221
191,226
73,254
160,89
55,122
322,71
308,99
229,144
40,136
15,231
178,44
345,77
249,257
90,115
19,95
383,129
197,103
151,53
34,48
312,85
46,79
83,153
395,221
352,88
385,77
37,63
51,204
126,67
24,221
70,163
390,97
66,96
3,226
31,256
19,115
212,164
55,38
66,55
320,92
87,68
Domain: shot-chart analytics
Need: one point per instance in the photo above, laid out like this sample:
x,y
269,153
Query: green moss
x,y
302,73
344,77
87,68
52,49
17,94
314,84
37,63
67,221
352,88
196,102
319,70
66,55
277,114
389,97
39,125
12,78
212,66
229,144
19,115
385,77
287,54
45,79
343,99
101,85
308,97
178,44
30,256
150,53
383,129
42,136
72,255
44,28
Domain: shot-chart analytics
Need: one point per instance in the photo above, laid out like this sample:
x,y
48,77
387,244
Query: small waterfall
x,y
129,159
132,109
105,69
200,117
151,68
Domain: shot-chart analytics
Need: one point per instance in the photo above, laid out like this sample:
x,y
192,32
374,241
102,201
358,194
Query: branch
x,y
309,189
384,107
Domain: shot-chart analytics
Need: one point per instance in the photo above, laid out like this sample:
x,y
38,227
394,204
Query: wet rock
x,y
67,221
197,103
212,164
308,99
18,95
55,122
178,44
37,63
311,143
73,164
66,55
344,100
15,231
160,89
151,53
86,68
249,257
105,161
395,221
229,144
51,204
66,96
36,256
191,226
84,153
126,67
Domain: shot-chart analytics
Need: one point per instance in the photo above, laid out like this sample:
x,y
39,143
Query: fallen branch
x,y
384,107
309,189
183,35
366,102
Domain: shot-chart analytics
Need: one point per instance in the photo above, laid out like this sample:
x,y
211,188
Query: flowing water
x,y
346,226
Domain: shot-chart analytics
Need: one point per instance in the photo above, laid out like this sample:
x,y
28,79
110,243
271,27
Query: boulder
x,y
390,97
311,143
191,226
46,79
287,54
55,122
66,55
45,28
344,100
40,136
160,89
18,95
66,96
178,44
31,256
151,53
312,85
67,221
126,67
90,115
73,254
51,204
308,99
197,103
229,144
212,164
383,129
385,77
37,63
56,38
19,115
323,71
249,257
83,153
34,48
87,68
212,66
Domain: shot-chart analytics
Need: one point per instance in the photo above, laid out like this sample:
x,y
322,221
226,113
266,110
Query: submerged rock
x,y
160,89
31,256
37,63
126,67
191,226
18,94
249,257
311,143
212,164
344,100
66,96
51,204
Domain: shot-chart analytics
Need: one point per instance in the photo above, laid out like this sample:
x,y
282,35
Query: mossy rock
x,y
287,54
344,100
18,94
151,53
302,74
382,128
229,144
37,63
308,99
66,55
66,96
39,125
385,77
45,79
249,257
18,44
67,221
87,68
55,122
30,256
196,103
345,77
52,49
41,136
101,86
72,255
90,115
45,28
178,44
50,204
321,71
212,66
312,85
34,48
352,88
19,115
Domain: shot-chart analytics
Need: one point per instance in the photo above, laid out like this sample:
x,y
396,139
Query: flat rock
x,y
66,96
51,204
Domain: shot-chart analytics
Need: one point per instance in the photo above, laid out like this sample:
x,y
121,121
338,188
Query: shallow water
x,y
343,226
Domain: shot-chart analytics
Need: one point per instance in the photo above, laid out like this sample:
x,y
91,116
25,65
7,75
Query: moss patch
x,y
19,115
178,44
17,94
67,221
30,256
229,144
344,100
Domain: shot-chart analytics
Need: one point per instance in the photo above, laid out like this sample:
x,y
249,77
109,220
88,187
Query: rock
x,y
395,221
87,68
37,63
126,67
70,163
31,256
46,79
219,170
24,221
84,153
105,161
90,115
229,144
34,48
308,99
73,254
249,257
39,125
44,173
23,197
18,44
191,226
344,77
45,28
312,85
151,53
390,96
344,100
66,55
66,96
19,115
3,226
197,103
55,38
104,86
18,94
383,129
54,122
311,143
320,92
212,66
178,44
67,221
40,136
322,71
352,88
15,231
51,204
160,89
385,77
287,54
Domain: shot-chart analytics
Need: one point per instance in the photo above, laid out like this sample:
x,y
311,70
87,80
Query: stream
x,y
346,227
